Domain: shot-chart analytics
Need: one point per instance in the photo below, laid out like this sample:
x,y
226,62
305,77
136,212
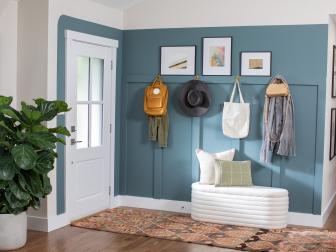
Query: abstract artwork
x,y
178,60
217,56
255,63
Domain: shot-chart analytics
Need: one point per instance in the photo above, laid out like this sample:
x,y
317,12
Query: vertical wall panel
x,y
250,147
140,151
299,53
297,174
213,138
177,165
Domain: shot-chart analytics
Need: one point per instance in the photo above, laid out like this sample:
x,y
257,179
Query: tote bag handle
x,y
236,84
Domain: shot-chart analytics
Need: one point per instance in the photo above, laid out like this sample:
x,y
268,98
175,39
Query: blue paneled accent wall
x,y
299,53
74,24
143,169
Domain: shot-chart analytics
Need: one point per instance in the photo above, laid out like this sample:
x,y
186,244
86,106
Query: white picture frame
x,y
217,56
178,60
256,64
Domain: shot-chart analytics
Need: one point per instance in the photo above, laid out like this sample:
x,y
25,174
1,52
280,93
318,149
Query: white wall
x,y
32,58
82,9
214,13
329,172
8,48
32,49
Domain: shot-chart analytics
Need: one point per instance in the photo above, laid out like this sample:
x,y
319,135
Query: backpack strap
x,y
157,79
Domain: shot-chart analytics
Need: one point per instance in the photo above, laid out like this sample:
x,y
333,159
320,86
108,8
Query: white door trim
x,y
91,39
70,37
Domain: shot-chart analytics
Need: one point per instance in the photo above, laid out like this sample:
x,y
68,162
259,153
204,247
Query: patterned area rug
x,y
180,227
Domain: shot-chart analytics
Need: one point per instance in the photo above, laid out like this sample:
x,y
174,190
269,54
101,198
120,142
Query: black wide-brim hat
x,y
195,98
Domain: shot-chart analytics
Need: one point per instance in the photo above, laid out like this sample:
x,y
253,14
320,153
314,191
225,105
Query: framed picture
x,y
333,89
332,134
256,63
178,60
217,57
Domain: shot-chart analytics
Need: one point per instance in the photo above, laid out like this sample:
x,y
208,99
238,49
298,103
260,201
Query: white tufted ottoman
x,y
253,206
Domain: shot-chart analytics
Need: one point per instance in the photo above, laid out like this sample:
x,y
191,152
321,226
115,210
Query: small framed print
x,y
178,60
256,63
217,57
332,151
333,88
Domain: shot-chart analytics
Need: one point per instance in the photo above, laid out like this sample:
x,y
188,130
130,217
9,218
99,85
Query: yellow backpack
x,y
156,98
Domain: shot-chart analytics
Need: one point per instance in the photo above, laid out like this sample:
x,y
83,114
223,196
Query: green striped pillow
x,y
233,173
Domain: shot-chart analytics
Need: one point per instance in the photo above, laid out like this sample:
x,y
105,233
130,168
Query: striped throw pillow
x,y
233,173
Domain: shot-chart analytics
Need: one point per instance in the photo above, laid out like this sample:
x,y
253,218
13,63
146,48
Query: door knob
x,y
73,141
73,129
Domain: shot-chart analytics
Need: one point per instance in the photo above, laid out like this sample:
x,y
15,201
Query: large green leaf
x,y
5,144
5,100
3,185
47,188
61,140
45,162
18,192
61,106
39,128
9,111
34,184
60,130
30,112
5,127
24,156
15,202
43,141
23,182
7,168
35,203
50,109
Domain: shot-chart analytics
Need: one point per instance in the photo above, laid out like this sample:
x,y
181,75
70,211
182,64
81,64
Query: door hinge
x,y
109,190
111,65
110,128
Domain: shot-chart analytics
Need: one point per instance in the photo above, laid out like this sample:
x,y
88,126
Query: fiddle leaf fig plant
x,y
27,152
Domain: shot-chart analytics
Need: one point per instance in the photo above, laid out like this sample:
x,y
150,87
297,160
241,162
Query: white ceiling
x,y
119,4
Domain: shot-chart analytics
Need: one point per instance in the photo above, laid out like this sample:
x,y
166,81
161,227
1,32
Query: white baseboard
x,y
327,211
37,223
114,201
56,222
300,219
156,204
43,224
304,219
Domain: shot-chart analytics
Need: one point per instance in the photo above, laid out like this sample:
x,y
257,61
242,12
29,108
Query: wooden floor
x,y
71,239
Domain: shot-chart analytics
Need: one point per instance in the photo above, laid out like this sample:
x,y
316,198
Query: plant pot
x,y
13,231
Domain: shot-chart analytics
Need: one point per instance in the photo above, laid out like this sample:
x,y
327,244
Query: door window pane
x,y
96,124
83,126
83,78
97,75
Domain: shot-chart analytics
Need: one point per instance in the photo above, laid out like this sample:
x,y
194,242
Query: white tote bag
x,y
236,116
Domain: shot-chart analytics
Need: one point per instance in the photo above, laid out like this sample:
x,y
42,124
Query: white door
x,y
90,89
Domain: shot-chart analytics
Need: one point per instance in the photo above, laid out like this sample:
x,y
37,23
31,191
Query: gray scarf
x,y
278,127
